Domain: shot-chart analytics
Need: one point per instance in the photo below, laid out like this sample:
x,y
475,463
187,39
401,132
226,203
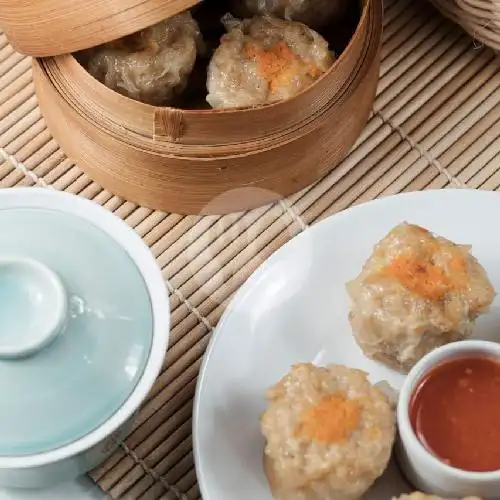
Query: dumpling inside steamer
x,y
314,13
152,65
263,60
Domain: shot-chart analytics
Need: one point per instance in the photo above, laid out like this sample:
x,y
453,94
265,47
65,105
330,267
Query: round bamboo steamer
x,y
188,161
479,18
212,161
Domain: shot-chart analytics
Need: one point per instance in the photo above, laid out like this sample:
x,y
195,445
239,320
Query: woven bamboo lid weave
x,y
43,28
480,18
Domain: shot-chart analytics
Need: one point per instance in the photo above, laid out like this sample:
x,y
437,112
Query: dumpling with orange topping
x,y
329,434
416,292
263,60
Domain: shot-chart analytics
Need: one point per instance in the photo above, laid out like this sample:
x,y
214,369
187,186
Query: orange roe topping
x,y
278,64
421,276
332,420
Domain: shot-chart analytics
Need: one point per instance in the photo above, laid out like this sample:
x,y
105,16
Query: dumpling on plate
x,y
416,292
152,65
263,60
329,434
314,13
422,496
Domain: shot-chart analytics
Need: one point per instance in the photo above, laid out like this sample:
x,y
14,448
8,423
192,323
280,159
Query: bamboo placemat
x,y
435,124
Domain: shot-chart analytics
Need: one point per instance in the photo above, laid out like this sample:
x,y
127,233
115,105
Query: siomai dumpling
x,y
422,496
152,65
314,13
329,434
416,292
263,60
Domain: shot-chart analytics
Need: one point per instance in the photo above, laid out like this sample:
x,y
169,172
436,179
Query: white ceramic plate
x,y
294,309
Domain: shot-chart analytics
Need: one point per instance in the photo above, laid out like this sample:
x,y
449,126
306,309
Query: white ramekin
x,y
422,469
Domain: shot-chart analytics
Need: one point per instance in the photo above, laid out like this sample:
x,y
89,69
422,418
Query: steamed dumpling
x,y
152,65
263,60
417,291
329,434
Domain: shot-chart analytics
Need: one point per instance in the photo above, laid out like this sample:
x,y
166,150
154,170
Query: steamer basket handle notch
x,y
168,124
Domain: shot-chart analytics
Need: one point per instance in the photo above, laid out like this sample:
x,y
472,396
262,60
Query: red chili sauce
x,y
455,413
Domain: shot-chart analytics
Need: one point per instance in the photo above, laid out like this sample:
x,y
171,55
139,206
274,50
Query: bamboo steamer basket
x,y
199,161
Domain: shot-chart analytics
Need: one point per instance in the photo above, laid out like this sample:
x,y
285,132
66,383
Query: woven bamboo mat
x,y
435,124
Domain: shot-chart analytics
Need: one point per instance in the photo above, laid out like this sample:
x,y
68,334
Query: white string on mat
x,y
20,167
421,151
191,308
293,214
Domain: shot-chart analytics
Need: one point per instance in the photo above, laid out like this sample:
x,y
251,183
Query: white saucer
x,y
294,309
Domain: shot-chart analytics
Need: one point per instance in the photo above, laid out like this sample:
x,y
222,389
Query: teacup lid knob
x,y
33,307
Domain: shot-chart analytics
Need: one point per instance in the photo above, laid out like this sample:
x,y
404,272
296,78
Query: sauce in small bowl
x,y
455,412
448,416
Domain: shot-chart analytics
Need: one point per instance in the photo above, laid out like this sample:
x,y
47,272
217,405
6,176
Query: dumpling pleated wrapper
x,y
416,292
329,434
264,60
151,66
315,13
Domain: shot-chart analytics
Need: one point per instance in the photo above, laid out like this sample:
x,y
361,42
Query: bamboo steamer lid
x,y
42,28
